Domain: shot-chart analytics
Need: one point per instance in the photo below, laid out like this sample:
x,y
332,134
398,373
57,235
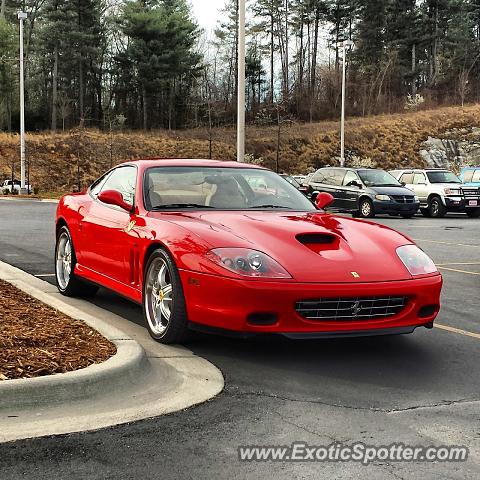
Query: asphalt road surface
x,y
422,389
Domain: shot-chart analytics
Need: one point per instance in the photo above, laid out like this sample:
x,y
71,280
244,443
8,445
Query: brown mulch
x,y
36,340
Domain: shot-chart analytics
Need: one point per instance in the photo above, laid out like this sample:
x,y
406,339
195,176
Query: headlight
x,y
452,191
248,263
416,199
416,260
383,198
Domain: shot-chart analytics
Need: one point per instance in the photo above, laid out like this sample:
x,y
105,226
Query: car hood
x,y
392,191
313,247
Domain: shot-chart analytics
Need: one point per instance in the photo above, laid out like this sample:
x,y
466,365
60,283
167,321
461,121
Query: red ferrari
x,y
201,247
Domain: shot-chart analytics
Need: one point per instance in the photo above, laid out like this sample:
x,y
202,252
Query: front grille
x,y
470,193
403,198
351,309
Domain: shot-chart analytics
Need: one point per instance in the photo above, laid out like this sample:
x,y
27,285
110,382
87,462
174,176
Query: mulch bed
x,y
36,340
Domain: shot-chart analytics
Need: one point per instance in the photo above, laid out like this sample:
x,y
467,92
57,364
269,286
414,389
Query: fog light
x,y
428,311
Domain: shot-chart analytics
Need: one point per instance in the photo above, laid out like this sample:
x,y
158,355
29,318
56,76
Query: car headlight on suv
x,y
382,198
416,199
452,191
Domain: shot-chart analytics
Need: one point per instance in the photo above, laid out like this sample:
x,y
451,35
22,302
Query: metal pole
x,y
346,44
22,16
342,135
241,83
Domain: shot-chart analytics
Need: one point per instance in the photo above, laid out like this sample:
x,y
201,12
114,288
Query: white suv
x,y
440,191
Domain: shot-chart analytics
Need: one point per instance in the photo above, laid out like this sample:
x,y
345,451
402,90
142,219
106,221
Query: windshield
x,y
443,177
378,178
220,188
291,180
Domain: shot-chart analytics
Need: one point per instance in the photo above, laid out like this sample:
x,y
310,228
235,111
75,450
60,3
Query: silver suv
x,y
440,191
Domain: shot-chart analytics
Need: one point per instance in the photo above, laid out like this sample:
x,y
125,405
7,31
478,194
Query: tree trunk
x,y
272,56
145,108
2,9
414,68
55,89
81,86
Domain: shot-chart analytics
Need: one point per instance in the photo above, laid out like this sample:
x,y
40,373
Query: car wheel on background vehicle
x,y
473,212
436,208
366,208
163,300
65,260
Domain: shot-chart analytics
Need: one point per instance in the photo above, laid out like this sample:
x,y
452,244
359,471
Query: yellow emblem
x,y
355,275
131,225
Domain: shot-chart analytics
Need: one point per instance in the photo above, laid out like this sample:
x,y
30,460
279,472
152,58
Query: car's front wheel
x,y
436,208
366,208
163,300
65,260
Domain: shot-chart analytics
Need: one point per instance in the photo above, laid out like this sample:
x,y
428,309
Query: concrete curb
x,y
129,362
134,384
42,200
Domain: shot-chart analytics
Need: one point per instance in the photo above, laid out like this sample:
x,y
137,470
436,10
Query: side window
x,y
319,177
349,178
407,178
468,176
97,185
419,178
123,179
338,176
476,176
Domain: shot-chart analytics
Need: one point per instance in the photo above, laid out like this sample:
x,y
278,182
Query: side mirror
x,y
323,200
114,197
356,184
403,184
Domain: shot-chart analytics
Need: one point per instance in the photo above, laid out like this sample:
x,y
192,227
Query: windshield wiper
x,y
271,206
171,206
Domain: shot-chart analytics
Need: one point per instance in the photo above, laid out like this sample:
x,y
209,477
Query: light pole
x,y
22,17
345,45
241,83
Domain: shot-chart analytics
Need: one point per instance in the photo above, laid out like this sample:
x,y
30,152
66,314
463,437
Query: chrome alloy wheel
x,y
366,209
159,297
64,261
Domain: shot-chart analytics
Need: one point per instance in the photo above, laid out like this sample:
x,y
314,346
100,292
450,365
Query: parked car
x,y
193,243
470,176
12,186
365,192
300,178
441,191
291,180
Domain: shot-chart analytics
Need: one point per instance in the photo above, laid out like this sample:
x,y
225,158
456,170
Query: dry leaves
x,y
36,340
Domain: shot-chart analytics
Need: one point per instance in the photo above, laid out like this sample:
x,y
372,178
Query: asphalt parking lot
x,y
421,389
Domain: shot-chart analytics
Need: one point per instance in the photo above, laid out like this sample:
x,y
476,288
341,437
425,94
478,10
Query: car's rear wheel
x,y
65,260
163,300
366,208
473,212
436,208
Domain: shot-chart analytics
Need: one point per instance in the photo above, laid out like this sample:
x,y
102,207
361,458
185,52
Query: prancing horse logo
x,y
356,308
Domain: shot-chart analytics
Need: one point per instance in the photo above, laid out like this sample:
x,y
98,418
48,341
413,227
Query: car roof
x,y
181,162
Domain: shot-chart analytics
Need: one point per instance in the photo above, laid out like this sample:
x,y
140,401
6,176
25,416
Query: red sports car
x,y
199,246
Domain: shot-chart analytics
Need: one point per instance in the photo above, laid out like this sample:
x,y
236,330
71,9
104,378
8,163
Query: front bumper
x,y
395,208
460,204
227,304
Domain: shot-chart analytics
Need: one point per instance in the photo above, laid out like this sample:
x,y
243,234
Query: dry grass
x,y
60,161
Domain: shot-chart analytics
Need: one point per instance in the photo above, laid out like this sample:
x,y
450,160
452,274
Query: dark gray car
x,y
365,192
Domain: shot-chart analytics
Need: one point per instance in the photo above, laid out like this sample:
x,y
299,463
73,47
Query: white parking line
x,y
458,330
45,275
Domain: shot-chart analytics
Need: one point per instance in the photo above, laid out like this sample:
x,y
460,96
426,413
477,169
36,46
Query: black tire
x,y
473,212
365,208
425,212
74,286
436,208
176,330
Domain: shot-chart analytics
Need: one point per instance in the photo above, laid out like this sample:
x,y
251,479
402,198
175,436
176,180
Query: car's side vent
x,y
316,238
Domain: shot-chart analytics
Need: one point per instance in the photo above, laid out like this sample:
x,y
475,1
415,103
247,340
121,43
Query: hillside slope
x,y
63,160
